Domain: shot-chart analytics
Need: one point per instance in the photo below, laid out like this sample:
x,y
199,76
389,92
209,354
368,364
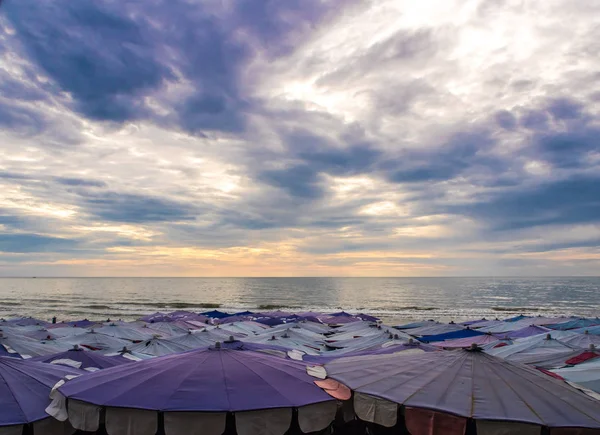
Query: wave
x,y
274,307
509,309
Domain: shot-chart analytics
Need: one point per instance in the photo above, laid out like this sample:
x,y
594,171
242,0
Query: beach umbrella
x,y
531,350
574,324
586,374
505,327
154,317
94,341
4,352
128,354
26,321
67,331
24,395
595,330
166,329
157,347
367,317
125,332
246,327
388,348
441,328
215,314
463,343
517,318
191,340
560,359
195,390
80,359
28,347
441,390
528,331
290,339
461,333
338,320
582,341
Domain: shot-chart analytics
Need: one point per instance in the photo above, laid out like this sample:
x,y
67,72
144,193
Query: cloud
x,y
135,208
69,181
323,137
26,243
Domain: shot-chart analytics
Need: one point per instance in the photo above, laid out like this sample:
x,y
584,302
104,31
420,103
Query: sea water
x,y
396,299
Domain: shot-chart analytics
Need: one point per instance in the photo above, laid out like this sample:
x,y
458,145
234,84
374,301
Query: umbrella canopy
x,y
574,324
530,350
586,374
582,341
166,329
527,331
28,347
87,360
25,387
417,324
462,333
590,330
94,341
214,379
468,384
204,384
158,347
463,343
125,332
215,314
441,328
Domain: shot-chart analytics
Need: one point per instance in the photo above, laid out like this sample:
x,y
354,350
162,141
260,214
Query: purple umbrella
x,y
87,360
205,382
460,385
25,387
26,321
367,318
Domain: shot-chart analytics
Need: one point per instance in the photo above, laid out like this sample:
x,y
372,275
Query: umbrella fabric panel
x,y
435,329
528,331
25,387
202,380
467,342
463,333
574,324
87,359
586,374
469,384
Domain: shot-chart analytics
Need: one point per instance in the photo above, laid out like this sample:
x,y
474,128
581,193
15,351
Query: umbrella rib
x,y
510,368
14,397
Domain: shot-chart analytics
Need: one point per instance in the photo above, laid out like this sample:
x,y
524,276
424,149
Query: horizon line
x,y
289,277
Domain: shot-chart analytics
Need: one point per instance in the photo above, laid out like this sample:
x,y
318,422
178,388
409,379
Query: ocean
x,y
392,299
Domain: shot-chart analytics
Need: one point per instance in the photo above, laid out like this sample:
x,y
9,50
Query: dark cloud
x,y
103,59
21,120
534,119
569,149
506,120
25,243
564,108
300,181
109,56
463,152
69,181
135,208
570,201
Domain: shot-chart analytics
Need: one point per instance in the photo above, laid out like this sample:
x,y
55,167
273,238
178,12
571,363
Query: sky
x,y
299,138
